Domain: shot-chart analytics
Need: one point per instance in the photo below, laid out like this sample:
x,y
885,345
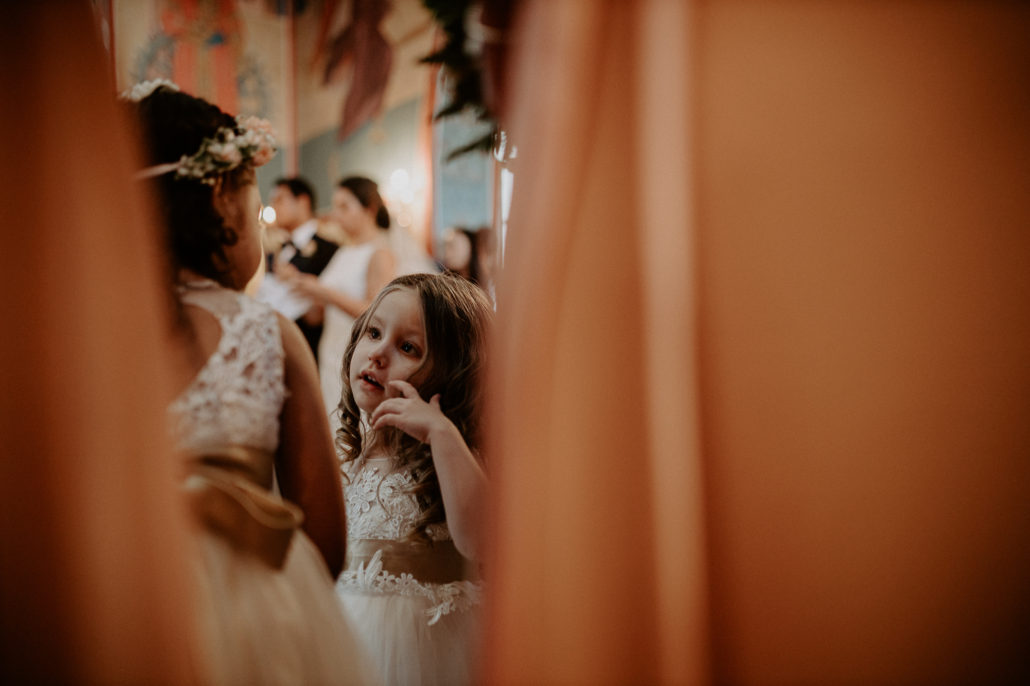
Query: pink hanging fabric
x,y
599,569
758,406
94,566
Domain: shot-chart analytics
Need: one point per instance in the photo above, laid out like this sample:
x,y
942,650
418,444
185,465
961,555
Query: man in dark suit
x,y
293,200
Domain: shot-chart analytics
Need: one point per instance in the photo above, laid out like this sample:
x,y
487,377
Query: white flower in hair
x,y
145,88
251,141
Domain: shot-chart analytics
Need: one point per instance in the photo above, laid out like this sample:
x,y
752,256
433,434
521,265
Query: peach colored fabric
x,y
761,376
93,565
599,568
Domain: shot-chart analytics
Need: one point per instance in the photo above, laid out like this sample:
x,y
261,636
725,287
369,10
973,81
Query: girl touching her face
x,y
414,482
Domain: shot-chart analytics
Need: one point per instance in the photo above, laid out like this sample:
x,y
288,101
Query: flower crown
x,y
145,88
251,141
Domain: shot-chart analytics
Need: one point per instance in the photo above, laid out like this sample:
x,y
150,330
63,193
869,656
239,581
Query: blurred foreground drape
x,y
93,564
759,402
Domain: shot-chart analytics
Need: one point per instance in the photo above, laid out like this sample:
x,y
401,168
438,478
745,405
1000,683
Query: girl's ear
x,y
224,202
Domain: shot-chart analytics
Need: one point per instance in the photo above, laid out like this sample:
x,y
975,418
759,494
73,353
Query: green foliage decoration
x,y
463,70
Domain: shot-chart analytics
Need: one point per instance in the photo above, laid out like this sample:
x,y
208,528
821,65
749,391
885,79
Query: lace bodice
x,y
381,512
379,505
237,396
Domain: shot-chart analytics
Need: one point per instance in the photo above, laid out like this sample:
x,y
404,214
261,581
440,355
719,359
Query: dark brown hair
x,y
299,188
367,192
175,124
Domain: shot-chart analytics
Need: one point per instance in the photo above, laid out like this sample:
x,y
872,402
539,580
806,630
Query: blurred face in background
x,y
352,217
457,251
289,209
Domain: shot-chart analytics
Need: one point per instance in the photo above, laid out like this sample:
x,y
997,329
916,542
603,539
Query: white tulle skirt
x,y
261,625
415,634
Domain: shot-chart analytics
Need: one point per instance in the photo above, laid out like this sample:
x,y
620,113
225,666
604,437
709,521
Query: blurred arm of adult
x,y
306,462
314,316
382,268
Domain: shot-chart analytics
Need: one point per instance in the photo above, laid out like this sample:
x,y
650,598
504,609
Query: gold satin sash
x,y
253,464
225,498
438,562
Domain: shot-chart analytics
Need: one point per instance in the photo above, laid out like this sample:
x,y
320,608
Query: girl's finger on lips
x,y
405,388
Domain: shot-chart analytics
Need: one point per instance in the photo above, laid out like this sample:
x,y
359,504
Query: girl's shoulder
x,y
230,307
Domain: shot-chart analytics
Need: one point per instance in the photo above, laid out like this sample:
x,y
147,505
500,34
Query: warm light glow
x,y
268,214
401,186
400,179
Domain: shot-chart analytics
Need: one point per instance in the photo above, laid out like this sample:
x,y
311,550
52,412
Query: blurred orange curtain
x,y
599,568
758,407
94,564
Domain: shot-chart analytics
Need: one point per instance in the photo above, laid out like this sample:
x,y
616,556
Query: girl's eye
x,y
373,332
411,349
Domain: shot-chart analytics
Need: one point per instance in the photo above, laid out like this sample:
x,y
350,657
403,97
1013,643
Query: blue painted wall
x,y
268,173
462,188
464,185
375,150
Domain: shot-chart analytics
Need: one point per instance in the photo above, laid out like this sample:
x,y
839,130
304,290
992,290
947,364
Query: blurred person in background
x,y
304,250
470,253
352,278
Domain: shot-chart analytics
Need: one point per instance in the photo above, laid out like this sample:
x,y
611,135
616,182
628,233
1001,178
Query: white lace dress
x,y
266,601
415,604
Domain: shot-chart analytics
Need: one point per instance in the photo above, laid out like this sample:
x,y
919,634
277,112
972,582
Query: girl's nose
x,y
376,356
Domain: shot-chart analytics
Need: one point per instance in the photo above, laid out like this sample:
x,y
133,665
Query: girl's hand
x,y
409,413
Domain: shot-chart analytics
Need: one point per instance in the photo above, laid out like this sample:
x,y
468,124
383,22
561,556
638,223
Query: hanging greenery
x,y
460,57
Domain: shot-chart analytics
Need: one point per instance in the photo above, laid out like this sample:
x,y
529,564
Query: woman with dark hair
x,y
262,480
469,254
351,279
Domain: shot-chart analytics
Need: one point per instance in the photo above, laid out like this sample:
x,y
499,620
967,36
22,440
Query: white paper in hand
x,y
281,297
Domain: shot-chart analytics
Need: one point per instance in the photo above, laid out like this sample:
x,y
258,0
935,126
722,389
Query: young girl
x,y
249,420
414,486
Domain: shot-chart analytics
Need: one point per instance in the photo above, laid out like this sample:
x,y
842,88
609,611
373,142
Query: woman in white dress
x,y
351,279
261,477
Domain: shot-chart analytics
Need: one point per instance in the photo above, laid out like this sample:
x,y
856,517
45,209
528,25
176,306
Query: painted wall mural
x,y
341,82
232,52
377,121
336,37
359,42
224,50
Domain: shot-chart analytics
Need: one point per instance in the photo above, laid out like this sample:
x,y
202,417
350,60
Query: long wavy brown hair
x,y
456,315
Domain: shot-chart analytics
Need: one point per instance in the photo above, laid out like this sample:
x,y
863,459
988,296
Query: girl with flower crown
x,y
261,476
